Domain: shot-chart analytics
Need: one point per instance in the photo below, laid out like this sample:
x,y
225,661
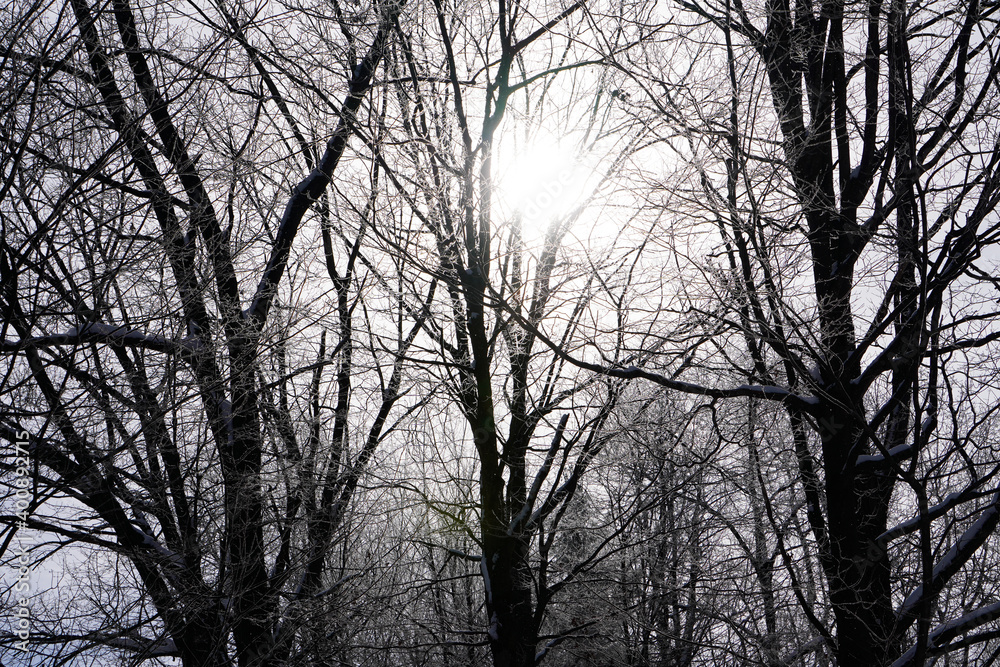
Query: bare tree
x,y
534,424
846,155
162,349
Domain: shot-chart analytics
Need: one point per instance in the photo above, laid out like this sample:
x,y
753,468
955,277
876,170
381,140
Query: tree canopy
x,y
567,333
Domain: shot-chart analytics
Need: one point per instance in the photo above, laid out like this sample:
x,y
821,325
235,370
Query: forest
x,y
401,333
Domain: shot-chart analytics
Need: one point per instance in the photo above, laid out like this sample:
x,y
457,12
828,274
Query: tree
x,y
848,160
534,424
159,344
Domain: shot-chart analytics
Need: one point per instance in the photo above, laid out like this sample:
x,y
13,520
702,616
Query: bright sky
x,y
542,181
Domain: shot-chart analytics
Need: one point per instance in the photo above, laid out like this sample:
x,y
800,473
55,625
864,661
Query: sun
x,y
542,183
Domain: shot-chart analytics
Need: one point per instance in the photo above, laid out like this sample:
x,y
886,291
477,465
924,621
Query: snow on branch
x,y
149,648
939,637
98,332
952,562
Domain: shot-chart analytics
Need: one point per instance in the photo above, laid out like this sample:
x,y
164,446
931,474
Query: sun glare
x,y
542,182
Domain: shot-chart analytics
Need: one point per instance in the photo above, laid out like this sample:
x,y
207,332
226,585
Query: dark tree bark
x,y
106,362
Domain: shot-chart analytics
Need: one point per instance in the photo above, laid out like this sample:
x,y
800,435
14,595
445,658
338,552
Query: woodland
x,y
655,333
